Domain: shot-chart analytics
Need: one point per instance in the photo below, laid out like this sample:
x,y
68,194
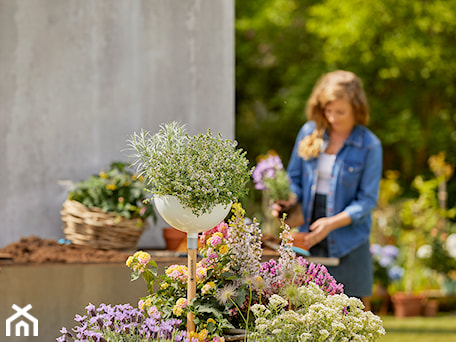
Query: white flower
x,y
260,310
424,252
277,303
451,245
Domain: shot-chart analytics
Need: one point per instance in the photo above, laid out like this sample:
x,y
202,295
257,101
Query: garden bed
x,y
34,250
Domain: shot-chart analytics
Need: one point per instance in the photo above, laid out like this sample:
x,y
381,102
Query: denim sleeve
x,y
366,199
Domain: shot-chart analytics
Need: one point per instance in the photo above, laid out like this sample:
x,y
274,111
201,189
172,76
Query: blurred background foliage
x,y
402,50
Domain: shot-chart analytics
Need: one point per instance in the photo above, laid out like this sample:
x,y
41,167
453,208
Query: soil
x,y
34,250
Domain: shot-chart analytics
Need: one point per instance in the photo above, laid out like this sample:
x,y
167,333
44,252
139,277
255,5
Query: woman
x,y
335,170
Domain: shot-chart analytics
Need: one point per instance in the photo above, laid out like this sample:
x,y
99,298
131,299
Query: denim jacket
x,y
353,187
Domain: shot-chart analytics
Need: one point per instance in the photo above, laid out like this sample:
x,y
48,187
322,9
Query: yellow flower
x,y
111,186
136,255
223,249
181,302
129,261
193,334
202,335
103,174
164,285
218,234
207,287
143,258
210,320
148,301
177,310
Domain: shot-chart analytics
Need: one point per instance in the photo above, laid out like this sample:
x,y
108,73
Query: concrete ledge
x,y
57,292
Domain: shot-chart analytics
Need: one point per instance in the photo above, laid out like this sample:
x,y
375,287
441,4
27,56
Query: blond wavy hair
x,y
334,85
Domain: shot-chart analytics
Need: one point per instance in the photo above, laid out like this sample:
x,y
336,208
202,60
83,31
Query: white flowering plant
x,y
201,170
232,280
316,316
440,254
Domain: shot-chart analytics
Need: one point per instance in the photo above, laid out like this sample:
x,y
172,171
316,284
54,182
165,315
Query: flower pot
x,y
431,308
298,239
407,305
173,238
182,218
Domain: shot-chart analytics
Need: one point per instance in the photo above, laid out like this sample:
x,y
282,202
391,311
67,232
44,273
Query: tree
x,y
402,50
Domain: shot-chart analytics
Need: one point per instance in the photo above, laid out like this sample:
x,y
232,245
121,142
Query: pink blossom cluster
x,y
310,272
220,228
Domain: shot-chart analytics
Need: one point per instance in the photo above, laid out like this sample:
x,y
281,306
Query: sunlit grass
x,y
420,329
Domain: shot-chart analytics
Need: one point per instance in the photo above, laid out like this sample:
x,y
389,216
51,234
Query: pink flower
x,y
143,258
213,255
215,241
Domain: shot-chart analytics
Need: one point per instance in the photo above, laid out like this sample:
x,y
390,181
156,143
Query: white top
x,y
325,166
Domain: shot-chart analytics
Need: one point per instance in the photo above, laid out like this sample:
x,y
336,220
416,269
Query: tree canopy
x,y
402,50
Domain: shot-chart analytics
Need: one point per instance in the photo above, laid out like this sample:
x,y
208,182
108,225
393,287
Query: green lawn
x,y
420,329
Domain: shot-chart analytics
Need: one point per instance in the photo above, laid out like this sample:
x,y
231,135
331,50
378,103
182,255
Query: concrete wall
x,y
77,77
58,292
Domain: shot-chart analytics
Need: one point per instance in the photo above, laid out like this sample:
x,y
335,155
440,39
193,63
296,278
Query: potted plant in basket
x,y
107,210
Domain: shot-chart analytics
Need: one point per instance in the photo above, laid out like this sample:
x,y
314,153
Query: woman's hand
x,y
318,231
280,206
323,226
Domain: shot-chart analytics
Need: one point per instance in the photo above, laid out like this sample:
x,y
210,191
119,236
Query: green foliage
x,y
440,260
117,190
201,171
278,187
402,50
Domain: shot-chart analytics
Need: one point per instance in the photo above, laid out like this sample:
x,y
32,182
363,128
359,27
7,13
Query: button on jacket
x,y
353,187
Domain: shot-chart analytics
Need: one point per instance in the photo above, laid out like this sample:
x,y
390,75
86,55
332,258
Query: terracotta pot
x,y
173,238
298,239
407,305
431,308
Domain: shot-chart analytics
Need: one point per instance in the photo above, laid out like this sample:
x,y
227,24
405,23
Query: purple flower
x,y
266,168
91,309
395,272
390,251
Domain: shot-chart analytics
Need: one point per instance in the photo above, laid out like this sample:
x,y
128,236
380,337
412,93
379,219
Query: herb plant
x,y
201,171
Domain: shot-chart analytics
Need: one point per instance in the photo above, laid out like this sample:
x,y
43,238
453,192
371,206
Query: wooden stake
x,y
192,246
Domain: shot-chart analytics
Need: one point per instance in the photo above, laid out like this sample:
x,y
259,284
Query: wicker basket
x,y
95,228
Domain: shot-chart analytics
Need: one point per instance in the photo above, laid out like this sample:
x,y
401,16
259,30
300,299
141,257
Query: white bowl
x,y
182,218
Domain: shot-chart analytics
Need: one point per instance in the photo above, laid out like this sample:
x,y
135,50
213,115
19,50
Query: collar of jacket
x,y
355,138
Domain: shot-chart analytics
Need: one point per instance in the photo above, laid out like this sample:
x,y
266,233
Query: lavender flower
x,y
122,322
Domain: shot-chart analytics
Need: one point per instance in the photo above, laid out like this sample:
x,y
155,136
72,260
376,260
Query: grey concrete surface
x,y
77,77
58,292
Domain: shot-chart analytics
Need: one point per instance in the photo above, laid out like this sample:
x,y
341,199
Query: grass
x,y
420,329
